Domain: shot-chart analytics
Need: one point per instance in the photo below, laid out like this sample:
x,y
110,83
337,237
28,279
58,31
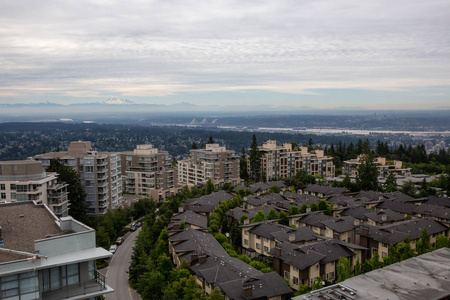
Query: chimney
x,y
247,291
308,209
186,206
281,193
384,218
245,199
277,251
176,225
231,212
356,222
202,259
246,221
194,256
180,209
291,237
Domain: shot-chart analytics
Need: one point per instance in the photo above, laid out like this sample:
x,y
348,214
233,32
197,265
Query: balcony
x,y
84,290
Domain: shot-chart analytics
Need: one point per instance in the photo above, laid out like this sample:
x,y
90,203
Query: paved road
x,y
117,276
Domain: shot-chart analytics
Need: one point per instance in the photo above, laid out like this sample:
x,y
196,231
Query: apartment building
x,y
47,258
25,181
384,167
100,174
148,171
282,161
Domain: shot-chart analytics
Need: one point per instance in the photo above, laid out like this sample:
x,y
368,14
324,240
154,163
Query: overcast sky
x,y
373,54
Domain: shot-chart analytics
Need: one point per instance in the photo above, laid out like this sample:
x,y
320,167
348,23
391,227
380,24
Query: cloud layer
x,y
144,49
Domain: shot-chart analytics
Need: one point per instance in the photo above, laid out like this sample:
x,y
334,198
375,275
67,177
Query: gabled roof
x,y
357,212
385,216
398,206
294,235
189,217
206,203
341,225
315,219
414,227
263,286
434,211
384,235
438,201
325,190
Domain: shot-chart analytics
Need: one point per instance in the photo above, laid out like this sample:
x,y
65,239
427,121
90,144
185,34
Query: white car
x,y
113,249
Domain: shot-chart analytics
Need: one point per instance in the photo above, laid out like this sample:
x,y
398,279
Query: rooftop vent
x,y
21,216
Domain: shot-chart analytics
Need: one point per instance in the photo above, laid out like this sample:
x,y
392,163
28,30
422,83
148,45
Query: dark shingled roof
x,y
433,211
391,216
325,190
414,227
372,195
299,234
306,255
341,225
207,203
263,286
384,235
357,212
20,233
398,206
315,219
438,201
189,217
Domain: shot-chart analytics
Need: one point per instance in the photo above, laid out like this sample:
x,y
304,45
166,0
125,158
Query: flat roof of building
x,y
422,277
22,223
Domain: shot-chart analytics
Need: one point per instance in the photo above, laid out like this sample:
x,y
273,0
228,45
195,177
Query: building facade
x,y
26,181
45,257
214,162
384,167
282,161
148,171
100,174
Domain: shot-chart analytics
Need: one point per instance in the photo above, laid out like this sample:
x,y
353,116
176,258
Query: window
x,y
330,276
258,246
295,269
266,249
3,195
26,285
89,169
245,232
54,278
295,280
2,187
287,275
258,237
246,242
316,267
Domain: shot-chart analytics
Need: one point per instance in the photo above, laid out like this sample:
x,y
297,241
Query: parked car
x,y
113,249
119,241
133,228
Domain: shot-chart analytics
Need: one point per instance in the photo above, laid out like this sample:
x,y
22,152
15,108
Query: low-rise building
x,y
282,161
45,257
384,167
26,181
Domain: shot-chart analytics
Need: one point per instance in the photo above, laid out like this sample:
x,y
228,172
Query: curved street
x,y
117,273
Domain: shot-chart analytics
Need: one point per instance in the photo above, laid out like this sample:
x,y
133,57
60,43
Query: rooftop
x,y
22,223
423,277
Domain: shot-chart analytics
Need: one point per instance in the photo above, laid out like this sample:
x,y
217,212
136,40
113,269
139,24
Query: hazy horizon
x,y
380,55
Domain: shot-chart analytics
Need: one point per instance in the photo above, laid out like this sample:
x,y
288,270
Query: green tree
x,y
76,195
284,219
344,269
260,216
367,178
216,294
243,165
294,210
194,146
442,242
102,238
391,183
423,244
314,206
272,215
409,188
255,161
209,187
275,189
210,141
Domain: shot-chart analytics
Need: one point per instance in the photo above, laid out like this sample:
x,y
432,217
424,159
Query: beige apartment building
x,y
384,167
100,174
26,181
148,171
282,161
214,162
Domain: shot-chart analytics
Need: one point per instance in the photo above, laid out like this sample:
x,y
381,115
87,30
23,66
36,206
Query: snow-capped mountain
x,y
114,100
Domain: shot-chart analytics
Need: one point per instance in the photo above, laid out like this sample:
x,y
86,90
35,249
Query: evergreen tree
x,y
260,216
367,178
243,172
255,161
194,145
344,269
210,141
76,192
